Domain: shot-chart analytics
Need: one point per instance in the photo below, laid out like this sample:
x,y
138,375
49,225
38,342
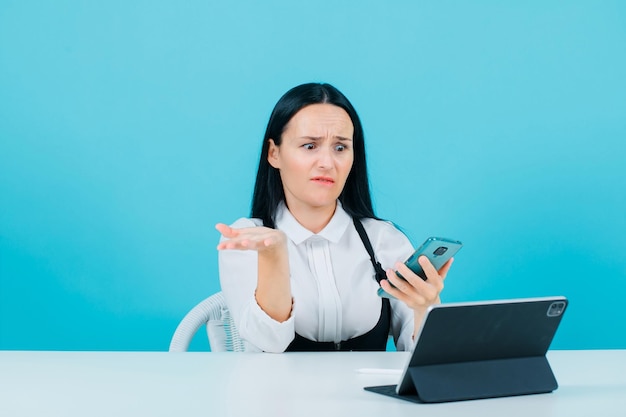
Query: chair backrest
x,y
221,331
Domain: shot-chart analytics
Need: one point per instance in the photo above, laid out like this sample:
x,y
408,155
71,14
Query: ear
x,y
272,154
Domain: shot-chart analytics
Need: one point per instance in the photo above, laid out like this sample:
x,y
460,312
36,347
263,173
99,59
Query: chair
x,y
221,331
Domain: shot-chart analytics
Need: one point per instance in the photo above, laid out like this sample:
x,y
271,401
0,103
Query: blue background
x,y
129,128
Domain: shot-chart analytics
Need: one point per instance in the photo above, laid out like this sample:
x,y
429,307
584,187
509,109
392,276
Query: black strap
x,y
380,272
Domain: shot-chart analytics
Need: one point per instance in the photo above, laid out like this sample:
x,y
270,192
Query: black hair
x,y
268,189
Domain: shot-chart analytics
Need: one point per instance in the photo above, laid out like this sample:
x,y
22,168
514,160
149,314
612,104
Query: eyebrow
x,y
315,138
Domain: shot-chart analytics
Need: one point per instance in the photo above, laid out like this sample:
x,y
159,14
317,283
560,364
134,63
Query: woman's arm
x,y
273,290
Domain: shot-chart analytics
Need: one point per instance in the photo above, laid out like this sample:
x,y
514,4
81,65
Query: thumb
x,y
225,230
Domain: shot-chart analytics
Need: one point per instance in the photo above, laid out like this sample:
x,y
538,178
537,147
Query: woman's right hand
x,y
273,291
260,239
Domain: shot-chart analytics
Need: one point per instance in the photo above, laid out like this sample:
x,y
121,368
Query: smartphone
x,y
438,250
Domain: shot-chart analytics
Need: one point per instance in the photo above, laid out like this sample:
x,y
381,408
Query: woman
x,y
297,274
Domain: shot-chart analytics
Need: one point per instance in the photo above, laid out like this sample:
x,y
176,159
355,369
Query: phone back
x,y
438,251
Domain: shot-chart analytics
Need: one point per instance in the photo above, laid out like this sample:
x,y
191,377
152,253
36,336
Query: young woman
x,y
297,275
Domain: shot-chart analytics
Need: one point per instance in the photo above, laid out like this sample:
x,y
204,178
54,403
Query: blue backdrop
x,y
129,128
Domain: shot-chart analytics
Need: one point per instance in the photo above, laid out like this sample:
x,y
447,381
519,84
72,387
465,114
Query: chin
x,y
324,203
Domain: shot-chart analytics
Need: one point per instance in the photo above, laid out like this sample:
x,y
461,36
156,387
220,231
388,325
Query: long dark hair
x,y
268,189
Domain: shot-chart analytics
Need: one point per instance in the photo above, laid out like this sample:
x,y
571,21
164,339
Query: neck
x,y
314,219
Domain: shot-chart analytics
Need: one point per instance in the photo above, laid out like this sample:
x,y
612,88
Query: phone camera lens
x,y
440,250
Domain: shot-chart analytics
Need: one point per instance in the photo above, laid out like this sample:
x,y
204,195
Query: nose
x,y
325,160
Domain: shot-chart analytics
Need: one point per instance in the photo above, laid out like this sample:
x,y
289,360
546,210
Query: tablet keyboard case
x,y
483,351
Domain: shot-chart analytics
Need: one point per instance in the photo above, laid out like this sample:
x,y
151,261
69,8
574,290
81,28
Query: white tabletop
x,y
292,384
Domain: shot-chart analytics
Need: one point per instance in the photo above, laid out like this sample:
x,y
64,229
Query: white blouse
x,y
332,283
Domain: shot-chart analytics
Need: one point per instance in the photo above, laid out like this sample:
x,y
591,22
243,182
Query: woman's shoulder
x,y
379,225
389,242
382,229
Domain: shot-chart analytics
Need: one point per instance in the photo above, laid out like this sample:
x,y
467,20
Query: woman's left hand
x,y
413,290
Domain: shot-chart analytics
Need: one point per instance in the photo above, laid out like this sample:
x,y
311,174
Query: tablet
x,y
481,349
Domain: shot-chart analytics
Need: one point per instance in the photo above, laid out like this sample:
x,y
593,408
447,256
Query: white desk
x,y
592,383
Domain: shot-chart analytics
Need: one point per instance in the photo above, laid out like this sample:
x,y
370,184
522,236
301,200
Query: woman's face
x,y
314,157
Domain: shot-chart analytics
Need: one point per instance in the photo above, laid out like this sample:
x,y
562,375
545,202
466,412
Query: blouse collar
x,y
298,233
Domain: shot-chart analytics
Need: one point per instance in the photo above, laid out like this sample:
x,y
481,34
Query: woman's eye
x,y
308,146
340,148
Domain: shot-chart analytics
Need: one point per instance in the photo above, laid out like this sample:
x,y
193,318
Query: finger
x,y
409,275
403,284
443,271
237,244
406,293
428,268
391,289
226,230
227,244
248,239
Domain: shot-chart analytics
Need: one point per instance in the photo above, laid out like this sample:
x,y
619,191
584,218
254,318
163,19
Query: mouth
x,y
323,180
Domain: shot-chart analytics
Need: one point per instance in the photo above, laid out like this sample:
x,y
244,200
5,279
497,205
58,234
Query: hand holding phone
x,y
438,250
